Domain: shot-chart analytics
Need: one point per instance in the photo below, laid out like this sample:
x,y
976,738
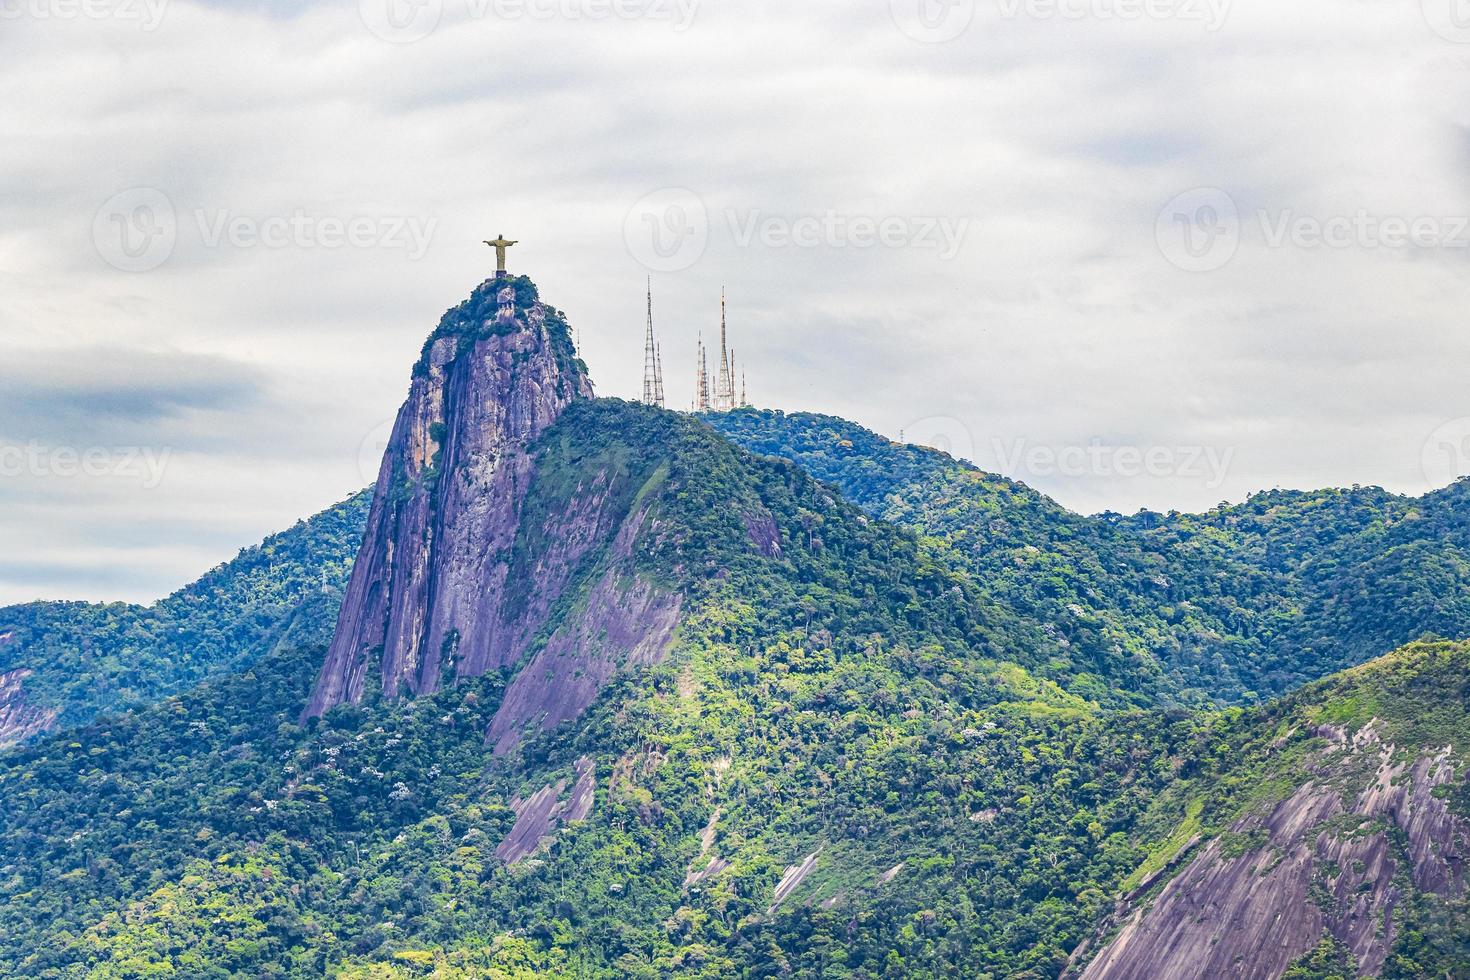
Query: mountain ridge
x,y
1346,824
1314,581
880,476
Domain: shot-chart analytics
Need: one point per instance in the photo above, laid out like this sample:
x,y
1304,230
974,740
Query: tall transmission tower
x,y
694,405
653,385
658,375
724,387
701,387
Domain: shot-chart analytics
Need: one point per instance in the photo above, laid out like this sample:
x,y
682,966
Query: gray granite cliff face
x,y
1331,860
429,597
624,620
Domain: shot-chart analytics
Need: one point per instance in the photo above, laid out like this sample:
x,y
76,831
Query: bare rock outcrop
x,y
792,879
764,534
431,595
480,554
1324,861
20,720
538,815
624,619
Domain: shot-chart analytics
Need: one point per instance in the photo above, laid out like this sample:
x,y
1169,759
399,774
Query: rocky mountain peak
x,y
424,599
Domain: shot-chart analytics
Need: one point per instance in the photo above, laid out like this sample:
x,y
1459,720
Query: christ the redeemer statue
x,y
500,244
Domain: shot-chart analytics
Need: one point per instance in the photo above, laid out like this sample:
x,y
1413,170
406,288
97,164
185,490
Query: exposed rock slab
x,y
19,720
538,815
626,620
764,534
792,879
700,869
1328,866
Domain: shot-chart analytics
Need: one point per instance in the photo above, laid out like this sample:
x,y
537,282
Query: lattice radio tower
x,y
701,378
653,374
725,385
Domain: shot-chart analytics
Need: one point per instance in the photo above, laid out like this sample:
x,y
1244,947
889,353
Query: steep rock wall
x,y
624,619
429,594
1327,864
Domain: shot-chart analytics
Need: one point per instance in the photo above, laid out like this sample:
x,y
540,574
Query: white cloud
x,y
1058,323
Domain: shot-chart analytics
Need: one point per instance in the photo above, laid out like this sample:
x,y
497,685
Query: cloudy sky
x,y
1138,253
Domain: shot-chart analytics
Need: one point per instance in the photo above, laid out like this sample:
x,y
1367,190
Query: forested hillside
x,y
70,660
1237,604
841,768
1240,603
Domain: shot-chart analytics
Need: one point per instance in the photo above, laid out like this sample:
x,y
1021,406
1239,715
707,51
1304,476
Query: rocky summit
x,y
429,597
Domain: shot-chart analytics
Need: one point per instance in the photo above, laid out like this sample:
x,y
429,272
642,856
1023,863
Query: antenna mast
x,y
653,384
701,390
658,375
724,389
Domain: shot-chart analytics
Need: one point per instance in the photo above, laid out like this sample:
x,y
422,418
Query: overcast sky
x,y
1137,253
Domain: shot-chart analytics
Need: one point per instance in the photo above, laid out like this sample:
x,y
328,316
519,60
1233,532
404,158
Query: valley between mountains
x,y
585,688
